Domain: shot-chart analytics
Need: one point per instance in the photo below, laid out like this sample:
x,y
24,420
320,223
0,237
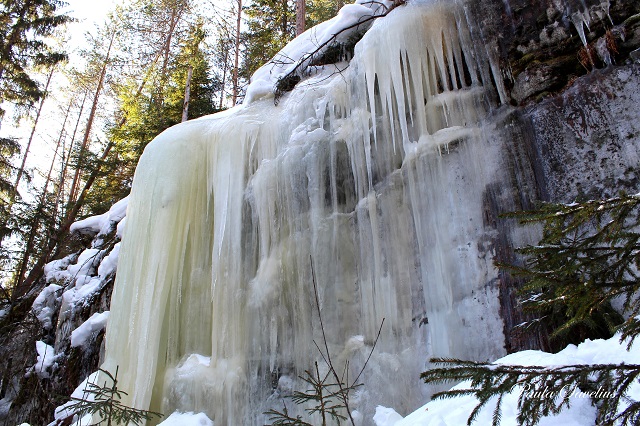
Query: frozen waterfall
x,y
373,175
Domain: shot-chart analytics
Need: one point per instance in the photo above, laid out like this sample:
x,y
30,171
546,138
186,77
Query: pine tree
x,y
24,26
588,257
134,61
271,25
204,85
321,10
145,118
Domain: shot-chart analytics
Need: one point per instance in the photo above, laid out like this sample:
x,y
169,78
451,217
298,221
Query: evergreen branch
x,y
104,402
543,390
589,255
282,418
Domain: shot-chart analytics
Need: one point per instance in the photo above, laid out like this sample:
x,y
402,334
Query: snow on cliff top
x,y
350,19
101,224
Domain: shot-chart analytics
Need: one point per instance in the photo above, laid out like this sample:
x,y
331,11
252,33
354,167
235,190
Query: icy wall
x,y
372,176
383,179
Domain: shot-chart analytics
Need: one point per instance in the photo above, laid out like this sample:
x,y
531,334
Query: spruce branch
x,y
588,256
104,402
543,390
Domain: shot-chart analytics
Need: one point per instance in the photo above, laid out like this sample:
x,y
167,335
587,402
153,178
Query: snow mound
x,y
187,419
82,279
103,223
45,361
93,325
44,305
456,411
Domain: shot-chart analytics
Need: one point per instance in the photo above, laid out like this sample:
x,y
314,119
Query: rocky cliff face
x,y
564,124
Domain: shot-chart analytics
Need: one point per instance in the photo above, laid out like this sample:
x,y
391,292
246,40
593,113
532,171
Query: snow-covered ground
x,y
456,411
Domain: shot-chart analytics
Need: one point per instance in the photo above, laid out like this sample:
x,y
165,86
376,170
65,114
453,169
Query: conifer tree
x,y
321,10
145,119
24,26
204,85
588,257
104,403
270,26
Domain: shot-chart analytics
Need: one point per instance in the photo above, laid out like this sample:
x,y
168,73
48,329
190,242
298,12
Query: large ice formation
x,y
372,176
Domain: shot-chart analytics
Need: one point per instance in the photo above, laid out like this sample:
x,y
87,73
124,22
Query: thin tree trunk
x,y
300,16
187,95
33,131
65,167
224,76
236,55
14,190
35,224
173,23
53,247
92,115
284,22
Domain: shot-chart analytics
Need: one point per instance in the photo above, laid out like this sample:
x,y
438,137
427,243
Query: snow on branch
x,y
287,68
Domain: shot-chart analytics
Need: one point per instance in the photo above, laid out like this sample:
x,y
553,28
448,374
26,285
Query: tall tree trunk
x,y
53,248
187,95
236,55
224,76
65,167
300,16
92,115
33,131
176,15
18,289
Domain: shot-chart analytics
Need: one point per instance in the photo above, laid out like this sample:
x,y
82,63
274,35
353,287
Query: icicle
x,y
603,51
605,5
580,21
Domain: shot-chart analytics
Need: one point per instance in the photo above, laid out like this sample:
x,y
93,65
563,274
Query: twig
x,y
343,394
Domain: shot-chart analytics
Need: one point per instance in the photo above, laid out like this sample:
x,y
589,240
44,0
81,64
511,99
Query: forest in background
x,y
149,65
